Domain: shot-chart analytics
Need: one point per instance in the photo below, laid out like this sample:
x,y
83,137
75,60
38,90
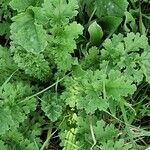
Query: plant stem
x,y
49,135
127,125
44,90
92,133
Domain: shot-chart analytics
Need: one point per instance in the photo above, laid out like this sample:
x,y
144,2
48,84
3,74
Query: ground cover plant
x,y
74,75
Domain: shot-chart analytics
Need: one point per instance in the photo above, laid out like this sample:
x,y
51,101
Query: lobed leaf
x,y
26,33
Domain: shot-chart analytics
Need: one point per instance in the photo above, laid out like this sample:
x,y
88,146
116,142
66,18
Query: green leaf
x,y
92,102
4,26
6,13
52,106
26,33
111,7
126,54
85,92
16,141
116,145
144,63
22,5
96,33
13,111
34,64
7,65
110,23
131,21
104,132
68,139
62,43
117,86
134,42
6,120
2,145
141,24
91,59
59,12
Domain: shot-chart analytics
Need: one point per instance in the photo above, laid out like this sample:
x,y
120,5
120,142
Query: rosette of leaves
x,y
44,35
130,55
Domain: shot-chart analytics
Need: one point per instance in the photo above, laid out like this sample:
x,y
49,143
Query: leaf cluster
x,y
74,75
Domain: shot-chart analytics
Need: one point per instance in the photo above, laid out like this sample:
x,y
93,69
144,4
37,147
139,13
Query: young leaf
x,y
68,139
96,33
62,43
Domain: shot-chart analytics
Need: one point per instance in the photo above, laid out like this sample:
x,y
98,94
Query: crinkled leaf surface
x,y
34,64
7,66
22,5
59,11
62,43
126,54
85,92
13,111
6,120
52,106
15,140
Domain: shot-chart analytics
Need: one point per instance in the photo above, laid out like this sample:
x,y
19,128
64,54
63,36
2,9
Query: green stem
x,y
127,125
92,14
49,135
44,90
141,25
92,134
8,79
